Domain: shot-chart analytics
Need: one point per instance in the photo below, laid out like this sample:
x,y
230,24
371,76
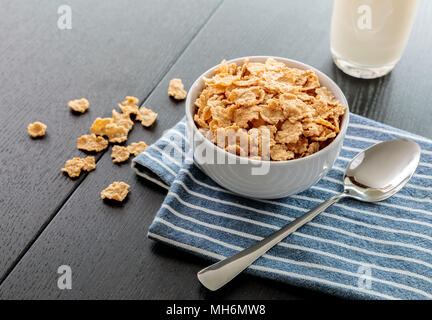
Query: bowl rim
x,y
340,136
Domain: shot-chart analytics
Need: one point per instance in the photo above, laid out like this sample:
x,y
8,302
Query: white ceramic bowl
x,y
282,178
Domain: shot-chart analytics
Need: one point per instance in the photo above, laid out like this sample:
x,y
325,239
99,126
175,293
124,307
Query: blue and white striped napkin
x,y
353,249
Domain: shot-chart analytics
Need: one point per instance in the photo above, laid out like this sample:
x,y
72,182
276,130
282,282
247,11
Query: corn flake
x,y
279,152
272,112
116,191
120,154
36,129
91,142
99,126
130,101
243,115
128,109
176,89
298,147
79,105
89,163
122,120
312,148
129,106
146,116
116,133
74,166
136,148
289,132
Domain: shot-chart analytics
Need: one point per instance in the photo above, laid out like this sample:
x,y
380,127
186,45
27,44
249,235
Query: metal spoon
x,y
373,175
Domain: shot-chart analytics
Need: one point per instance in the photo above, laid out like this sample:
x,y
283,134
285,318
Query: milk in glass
x,y
369,36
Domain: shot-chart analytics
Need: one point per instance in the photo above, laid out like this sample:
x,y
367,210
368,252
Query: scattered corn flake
x,y
91,142
120,154
146,116
122,119
99,126
89,163
302,115
36,129
115,128
79,105
116,191
136,148
74,166
176,89
129,106
130,101
128,109
116,133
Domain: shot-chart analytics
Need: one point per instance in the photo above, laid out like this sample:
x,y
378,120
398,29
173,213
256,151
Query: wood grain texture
x,y
112,50
106,246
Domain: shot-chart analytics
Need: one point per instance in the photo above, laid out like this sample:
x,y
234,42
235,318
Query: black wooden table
x,y
119,48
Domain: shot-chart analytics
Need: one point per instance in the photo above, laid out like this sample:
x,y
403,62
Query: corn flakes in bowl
x,y
265,127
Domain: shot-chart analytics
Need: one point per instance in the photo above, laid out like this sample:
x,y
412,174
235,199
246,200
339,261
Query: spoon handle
x,y
222,272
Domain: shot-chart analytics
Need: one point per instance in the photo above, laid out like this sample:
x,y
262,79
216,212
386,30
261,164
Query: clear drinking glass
x,y
368,36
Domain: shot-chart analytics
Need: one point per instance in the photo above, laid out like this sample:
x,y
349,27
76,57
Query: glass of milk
x,y
369,36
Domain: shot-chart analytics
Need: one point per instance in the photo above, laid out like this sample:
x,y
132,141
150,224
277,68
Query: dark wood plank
x,y
107,246
113,49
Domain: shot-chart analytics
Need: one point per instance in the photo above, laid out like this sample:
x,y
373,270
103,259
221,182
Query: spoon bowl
x,y
373,175
381,170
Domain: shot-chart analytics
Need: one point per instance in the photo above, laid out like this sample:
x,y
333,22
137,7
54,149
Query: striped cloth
x,y
353,249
